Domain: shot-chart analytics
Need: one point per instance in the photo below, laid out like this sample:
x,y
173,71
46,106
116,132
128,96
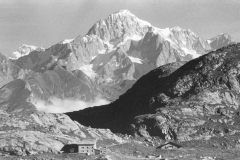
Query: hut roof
x,y
85,144
171,143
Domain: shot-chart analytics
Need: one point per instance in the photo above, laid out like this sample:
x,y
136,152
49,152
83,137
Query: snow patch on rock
x,y
109,80
125,12
24,50
94,57
133,37
102,51
85,39
191,52
135,60
209,41
87,69
67,41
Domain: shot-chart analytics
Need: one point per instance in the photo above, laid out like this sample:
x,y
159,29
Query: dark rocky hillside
x,y
197,100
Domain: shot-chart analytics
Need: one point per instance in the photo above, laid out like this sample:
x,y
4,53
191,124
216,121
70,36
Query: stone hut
x,y
86,147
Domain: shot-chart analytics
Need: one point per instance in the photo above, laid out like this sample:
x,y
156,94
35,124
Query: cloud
x,y
58,105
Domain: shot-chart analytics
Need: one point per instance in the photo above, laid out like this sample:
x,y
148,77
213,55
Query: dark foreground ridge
x,y
197,100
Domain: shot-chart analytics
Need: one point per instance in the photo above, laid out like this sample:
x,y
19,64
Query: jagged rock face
x,y
189,41
154,51
9,71
40,61
62,84
119,50
44,132
53,76
119,27
199,100
219,41
14,94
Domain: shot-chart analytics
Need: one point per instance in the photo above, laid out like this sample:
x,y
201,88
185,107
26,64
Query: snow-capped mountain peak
x,y
119,25
127,14
24,50
176,28
118,50
225,35
124,12
221,40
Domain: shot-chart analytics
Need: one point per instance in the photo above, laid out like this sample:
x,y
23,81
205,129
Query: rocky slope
x,y
26,131
118,50
15,98
40,132
21,88
62,84
52,87
9,71
195,101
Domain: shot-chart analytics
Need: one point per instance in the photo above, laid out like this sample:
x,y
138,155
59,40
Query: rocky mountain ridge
x,y
197,100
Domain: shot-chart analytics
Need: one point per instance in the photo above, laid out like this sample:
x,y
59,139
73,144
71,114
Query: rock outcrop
x,y
45,132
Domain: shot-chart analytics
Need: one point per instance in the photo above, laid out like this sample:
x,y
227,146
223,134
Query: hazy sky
x,y
46,22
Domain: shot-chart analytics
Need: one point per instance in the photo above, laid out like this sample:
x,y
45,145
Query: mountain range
x,y
105,62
